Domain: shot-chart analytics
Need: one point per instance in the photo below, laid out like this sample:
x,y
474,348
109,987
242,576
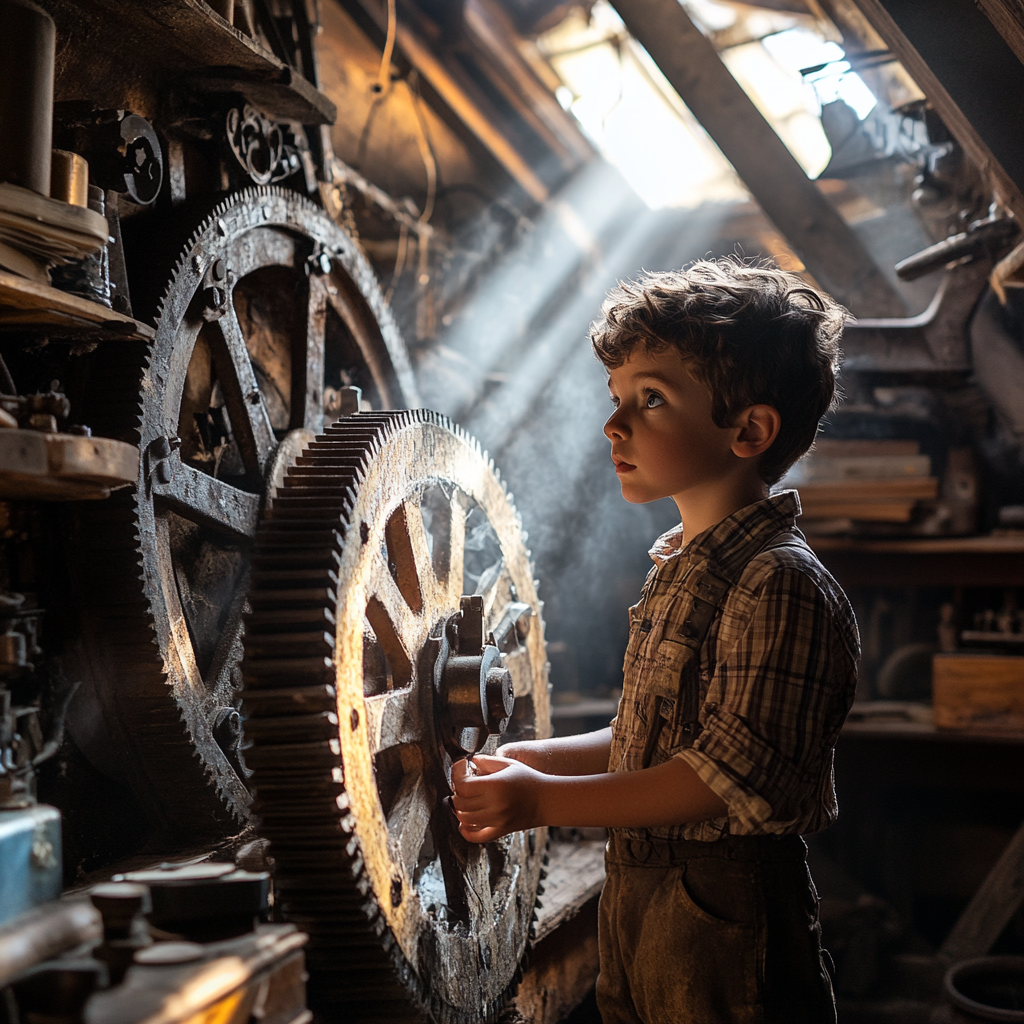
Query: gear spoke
x,y
448,529
357,328
246,408
393,719
409,555
411,814
393,620
312,409
208,501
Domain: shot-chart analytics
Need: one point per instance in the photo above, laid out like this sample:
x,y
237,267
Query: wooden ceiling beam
x,y
825,243
970,75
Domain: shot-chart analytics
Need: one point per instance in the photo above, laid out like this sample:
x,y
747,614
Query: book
x,y
858,467
828,447
870,511
897,489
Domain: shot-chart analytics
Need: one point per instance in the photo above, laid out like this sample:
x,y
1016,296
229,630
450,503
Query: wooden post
x,y
821,238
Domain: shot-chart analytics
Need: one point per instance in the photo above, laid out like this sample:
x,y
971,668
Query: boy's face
x,y
664,441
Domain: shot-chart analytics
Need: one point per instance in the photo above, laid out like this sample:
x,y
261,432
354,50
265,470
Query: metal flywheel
x,y
394,628
267,306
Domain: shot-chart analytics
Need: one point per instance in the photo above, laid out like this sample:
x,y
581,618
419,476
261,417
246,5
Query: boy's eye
x,y
614,400
654,400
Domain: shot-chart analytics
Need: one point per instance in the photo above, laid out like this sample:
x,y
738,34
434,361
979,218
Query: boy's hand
x,y
501,796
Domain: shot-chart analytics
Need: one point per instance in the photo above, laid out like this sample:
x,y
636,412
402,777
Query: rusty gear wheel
x,y
391,599
266,297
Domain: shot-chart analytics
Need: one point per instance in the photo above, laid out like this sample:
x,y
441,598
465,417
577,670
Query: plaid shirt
x,y
742,661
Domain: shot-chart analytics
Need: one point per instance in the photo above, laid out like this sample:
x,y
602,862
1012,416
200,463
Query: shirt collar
x,y
737,538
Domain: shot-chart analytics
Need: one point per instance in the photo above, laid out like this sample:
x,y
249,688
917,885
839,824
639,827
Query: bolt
x,y
214,299
220,271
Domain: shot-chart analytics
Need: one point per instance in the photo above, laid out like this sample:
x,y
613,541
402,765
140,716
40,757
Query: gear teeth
x,y
307,833
131,639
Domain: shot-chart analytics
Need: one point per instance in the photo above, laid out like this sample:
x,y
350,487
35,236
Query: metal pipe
x,y
28,46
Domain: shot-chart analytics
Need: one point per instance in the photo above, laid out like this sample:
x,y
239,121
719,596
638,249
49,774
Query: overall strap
x,y
707,585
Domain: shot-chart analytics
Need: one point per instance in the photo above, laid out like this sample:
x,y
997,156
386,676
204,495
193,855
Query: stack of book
x,y
843,483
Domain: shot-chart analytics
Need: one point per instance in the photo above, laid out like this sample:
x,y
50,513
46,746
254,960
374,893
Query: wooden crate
x,y
978,691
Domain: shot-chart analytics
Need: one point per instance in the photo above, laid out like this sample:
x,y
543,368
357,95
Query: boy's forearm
x,y
585,754
668,794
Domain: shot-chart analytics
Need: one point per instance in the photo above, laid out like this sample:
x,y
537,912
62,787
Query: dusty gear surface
x,y
267,297
379,529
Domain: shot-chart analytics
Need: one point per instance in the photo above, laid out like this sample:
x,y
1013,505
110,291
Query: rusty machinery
x,y
278,626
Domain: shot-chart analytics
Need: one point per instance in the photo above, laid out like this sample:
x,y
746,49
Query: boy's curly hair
x,y
753,334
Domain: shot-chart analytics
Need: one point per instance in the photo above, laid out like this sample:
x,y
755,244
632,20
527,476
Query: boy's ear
x,y
758,425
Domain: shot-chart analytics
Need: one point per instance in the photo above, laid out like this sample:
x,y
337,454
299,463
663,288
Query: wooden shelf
x,y
988,545
25,305
923,731
190,40
989,561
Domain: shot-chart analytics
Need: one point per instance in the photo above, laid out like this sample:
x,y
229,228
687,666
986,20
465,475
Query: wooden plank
x,y
1008,18
978,152
491,32
449,96
25,304
562,971
188,36
991,908
575,875
825,243
987,545
469,112
854,568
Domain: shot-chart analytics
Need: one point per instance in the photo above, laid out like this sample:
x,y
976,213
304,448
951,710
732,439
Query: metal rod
x,y
28,44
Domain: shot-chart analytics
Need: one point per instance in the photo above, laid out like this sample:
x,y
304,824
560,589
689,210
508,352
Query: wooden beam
x,y
1008,18
991,907
452,95
926,71
490,31
825,243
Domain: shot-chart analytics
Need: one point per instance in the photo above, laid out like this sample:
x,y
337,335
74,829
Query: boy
x,y
740,669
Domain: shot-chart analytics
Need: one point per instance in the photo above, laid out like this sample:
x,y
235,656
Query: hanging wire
x,y
425,148
384,78
382,87
400,257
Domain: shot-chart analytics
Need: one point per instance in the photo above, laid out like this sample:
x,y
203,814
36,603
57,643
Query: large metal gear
x,y
391,599
266,297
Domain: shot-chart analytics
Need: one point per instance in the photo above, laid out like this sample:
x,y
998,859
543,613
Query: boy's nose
x,y
615,427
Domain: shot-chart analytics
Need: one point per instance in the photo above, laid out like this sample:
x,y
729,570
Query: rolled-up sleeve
x,y
771,712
